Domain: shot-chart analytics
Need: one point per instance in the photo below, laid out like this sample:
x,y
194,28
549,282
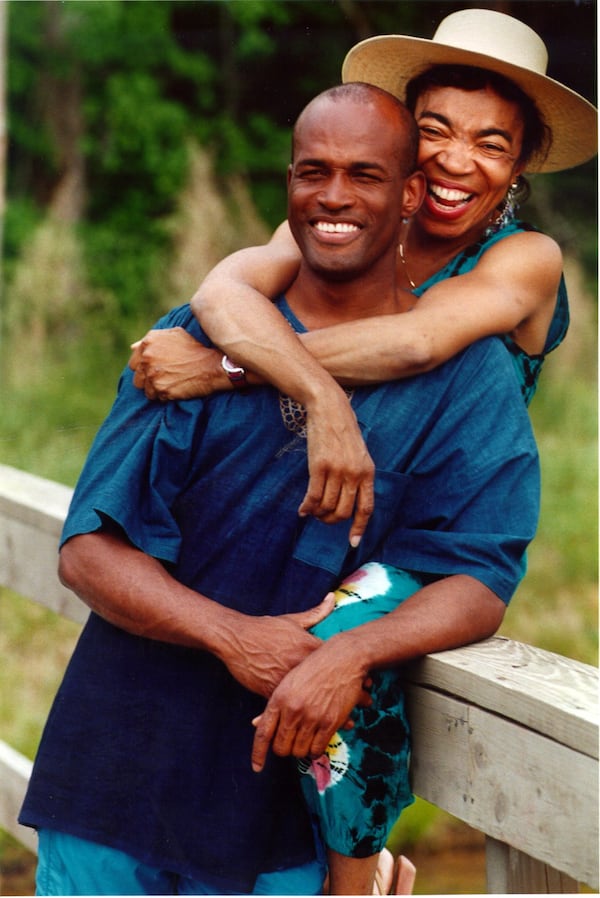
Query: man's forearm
x,y
134,592
446,614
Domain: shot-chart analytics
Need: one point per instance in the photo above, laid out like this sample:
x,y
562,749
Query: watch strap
x,y
235,373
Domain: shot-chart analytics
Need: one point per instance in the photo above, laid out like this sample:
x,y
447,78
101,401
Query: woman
x,y
487,113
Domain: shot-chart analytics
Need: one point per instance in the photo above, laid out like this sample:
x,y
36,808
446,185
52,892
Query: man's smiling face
x,y
345,185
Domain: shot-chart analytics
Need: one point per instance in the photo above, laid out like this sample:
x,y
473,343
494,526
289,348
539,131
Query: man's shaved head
x,y
397,115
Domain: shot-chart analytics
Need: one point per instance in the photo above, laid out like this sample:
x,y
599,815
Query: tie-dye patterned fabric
x,y
359,787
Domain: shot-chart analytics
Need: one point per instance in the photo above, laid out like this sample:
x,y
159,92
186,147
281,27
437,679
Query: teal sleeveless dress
x,y
527,367
357,790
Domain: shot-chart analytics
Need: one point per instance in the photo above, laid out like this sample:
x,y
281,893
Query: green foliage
x,y
561,204
135,128
136,132
74,388
21,218
118,266
417,821
232,73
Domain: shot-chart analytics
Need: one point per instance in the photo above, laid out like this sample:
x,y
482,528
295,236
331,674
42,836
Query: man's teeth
x,y
448,195
338,228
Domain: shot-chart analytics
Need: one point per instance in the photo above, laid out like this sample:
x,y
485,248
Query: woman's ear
x,y
413,193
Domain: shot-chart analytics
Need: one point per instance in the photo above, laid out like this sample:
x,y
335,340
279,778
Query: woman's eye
x,y
492,149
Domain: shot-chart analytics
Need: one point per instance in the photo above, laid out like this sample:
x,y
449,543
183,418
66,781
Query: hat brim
x,y
390,61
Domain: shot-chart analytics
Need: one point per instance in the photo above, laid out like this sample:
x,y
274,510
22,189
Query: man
x,y
184,539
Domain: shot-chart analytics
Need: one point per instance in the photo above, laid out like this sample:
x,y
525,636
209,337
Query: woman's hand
x,y
171,364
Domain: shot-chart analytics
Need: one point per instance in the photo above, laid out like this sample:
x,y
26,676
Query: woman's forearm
x,y
256,336
249,329
503,291
232,307
372,350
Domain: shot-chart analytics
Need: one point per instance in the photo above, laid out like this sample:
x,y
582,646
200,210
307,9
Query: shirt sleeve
x,y
472,505
139,463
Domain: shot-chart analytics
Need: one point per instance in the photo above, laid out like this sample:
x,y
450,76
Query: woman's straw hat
x,y
489,40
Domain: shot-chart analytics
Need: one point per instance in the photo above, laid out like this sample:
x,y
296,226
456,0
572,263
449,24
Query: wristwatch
x,y
235,373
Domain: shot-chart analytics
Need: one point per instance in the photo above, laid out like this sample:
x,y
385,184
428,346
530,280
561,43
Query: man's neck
x,y
318,302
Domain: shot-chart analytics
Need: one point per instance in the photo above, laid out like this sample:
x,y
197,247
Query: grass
x,y
36,645
556,605
50,417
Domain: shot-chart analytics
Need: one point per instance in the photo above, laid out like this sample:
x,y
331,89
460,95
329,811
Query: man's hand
x,y
171,364
261,651
314,700
341,471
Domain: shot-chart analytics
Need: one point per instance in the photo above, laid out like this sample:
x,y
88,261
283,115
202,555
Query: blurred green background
x,y
145,141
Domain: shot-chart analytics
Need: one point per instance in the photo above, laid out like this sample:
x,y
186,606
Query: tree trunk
x,y
62,110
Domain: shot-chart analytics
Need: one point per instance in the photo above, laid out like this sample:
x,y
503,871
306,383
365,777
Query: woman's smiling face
x,y
470,147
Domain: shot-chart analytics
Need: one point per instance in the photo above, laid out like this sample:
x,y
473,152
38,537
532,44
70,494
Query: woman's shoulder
x,y
517,243
520,234
524,246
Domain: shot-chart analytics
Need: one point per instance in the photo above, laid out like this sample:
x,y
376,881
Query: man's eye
x,y
312,174
430,132
365,176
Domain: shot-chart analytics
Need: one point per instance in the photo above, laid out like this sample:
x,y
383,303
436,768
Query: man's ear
x,y
289,175
413,193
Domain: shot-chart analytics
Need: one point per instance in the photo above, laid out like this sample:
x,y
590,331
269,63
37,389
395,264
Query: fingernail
x,y
355,541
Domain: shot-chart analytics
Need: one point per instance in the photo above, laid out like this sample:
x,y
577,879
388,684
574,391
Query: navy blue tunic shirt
x,y
147,747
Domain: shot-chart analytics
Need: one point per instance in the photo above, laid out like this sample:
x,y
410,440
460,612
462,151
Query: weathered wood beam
x,y
32,513
507,781
15,770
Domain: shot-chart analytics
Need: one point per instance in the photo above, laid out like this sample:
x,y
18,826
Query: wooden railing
x,y
505,736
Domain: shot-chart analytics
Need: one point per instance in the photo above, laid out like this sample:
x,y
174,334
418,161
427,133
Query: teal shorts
x,y
68,865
